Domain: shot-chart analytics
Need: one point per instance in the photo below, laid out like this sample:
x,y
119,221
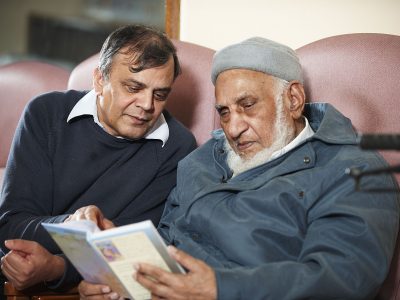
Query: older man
x,y
115,147
265,208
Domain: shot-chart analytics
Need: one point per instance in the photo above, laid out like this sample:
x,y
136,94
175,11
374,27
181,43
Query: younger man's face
x,y
130,103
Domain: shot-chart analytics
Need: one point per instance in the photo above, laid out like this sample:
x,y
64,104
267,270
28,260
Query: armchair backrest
x,y
20,82
360,74
192,98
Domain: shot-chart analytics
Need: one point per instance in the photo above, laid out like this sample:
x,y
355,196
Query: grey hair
x,y
147,47
280,85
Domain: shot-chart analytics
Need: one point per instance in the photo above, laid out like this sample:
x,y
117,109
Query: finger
x,y
187,261
107,224
158,289
93,291
23,247
92,213
85,213
19,245
13,262
5,271
152,285
90,289
74,216
156,297
16,266
12,275
157,275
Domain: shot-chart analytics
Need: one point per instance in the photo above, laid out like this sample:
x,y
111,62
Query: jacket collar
x,y
329,125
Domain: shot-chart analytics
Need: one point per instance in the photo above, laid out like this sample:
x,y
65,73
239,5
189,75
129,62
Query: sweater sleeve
x,y
26,198
346,253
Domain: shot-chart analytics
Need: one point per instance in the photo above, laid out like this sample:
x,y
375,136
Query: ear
x,y
297,99
98,81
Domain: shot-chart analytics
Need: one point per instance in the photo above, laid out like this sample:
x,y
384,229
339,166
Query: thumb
x,y
188,262
20,245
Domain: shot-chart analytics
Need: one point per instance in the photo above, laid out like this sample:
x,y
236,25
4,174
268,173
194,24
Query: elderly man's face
x,y
245,101
130,103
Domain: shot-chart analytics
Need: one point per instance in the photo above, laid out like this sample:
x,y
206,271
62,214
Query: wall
x,y
216,23
87,16
14,19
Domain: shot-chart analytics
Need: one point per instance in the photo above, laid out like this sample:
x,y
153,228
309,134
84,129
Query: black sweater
x,y
56,167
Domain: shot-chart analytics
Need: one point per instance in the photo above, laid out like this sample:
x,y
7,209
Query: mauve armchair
x,y
20,82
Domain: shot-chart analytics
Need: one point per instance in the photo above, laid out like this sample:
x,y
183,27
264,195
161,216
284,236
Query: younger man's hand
x,y
92,213
28,263
91,291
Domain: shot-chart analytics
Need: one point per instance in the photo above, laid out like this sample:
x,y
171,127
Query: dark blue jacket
x,y
292,228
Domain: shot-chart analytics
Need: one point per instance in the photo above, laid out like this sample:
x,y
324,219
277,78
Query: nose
x,y
145,101
236,126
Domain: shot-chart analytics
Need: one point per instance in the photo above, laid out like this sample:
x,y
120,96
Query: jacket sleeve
x,y
346,253
164,225
26,198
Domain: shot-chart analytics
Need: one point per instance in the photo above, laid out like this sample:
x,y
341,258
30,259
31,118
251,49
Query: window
x,y
67,32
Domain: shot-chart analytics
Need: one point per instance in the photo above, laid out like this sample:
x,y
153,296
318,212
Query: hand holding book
x,y
108,256
92,213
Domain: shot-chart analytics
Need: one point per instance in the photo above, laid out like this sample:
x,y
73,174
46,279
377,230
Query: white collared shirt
x,y
87,106
306,133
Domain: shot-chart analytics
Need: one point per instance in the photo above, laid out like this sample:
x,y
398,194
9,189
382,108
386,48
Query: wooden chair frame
x,y
38,292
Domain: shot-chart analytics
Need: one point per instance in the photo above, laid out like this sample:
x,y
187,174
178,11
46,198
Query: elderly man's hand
x,y
92,213
199,283
91,291
28,263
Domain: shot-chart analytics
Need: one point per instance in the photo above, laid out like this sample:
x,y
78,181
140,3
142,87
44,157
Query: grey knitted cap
x,y
258,54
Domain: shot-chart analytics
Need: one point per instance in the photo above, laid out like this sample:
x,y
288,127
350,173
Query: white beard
x,y
283,134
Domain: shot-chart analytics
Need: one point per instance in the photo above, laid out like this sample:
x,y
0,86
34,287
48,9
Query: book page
x,y
123,251
93,268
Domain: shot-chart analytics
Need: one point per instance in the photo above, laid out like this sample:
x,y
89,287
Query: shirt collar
x,y
306,133
87,106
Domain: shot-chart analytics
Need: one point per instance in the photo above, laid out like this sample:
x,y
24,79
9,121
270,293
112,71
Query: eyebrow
x,y
166,89
142,85
240,98
135,82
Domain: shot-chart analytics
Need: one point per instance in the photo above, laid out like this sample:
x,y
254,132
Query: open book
x,y
107,256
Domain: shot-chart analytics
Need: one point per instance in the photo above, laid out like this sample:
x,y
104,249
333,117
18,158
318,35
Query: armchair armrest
x,y
38,292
